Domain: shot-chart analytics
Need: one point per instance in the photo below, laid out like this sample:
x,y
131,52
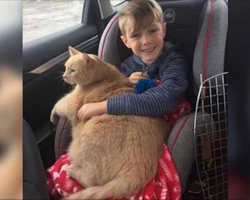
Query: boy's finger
x,y
134,81
144,74
80,116
137,73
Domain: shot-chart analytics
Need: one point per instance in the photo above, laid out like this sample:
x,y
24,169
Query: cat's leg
x,y
77,173
60,108
54,117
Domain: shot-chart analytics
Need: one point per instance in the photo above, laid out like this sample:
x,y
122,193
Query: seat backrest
x,y
198,26
34,179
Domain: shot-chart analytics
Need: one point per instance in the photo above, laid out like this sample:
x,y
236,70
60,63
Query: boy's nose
x,y
146,39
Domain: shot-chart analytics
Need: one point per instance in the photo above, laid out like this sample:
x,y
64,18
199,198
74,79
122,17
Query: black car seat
x,y
34,182
200,28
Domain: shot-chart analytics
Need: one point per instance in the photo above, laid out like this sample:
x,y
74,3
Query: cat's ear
x,y
73,51
85,58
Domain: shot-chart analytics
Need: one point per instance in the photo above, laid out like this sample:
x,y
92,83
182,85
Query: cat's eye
x,y
72,70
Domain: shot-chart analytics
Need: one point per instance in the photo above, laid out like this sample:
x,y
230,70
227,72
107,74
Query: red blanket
x,y
165,185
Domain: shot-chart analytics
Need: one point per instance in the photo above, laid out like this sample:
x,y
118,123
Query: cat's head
x,y
82,68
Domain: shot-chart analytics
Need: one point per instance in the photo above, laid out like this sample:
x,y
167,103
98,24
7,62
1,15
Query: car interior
x,y
199,27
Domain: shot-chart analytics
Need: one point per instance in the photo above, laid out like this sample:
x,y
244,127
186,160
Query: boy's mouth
x,y
148,50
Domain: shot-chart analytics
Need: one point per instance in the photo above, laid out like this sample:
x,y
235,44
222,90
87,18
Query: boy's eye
x,y
153,30
135,35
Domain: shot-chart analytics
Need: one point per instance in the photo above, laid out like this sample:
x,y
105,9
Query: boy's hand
x,y
136,76
92,109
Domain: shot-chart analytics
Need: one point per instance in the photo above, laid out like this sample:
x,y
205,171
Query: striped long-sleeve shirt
x,y
171,68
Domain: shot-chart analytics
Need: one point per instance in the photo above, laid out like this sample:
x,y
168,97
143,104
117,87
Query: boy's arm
x,y
158,100
154,102
93,109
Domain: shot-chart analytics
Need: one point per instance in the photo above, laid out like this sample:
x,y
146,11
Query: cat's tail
x,y
119,187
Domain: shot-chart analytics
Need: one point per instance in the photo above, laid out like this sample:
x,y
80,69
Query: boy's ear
x,y
73,51
164,29
125,41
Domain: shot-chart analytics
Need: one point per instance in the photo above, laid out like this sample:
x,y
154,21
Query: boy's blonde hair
x,y
141,13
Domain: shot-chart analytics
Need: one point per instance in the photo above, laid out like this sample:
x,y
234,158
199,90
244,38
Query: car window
x,y
42,17
116,2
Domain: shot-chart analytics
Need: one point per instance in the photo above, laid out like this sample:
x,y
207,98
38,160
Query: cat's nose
x,y
64,76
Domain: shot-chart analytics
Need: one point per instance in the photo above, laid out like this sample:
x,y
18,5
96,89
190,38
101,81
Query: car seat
x,y
199,27
34,181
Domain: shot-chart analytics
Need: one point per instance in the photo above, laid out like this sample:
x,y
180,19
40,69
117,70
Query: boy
x,y
143,31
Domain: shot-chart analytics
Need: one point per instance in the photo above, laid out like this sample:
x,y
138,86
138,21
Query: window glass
x,y
116,2
43,17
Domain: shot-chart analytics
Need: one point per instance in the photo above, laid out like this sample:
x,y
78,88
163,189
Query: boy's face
x,y
147,43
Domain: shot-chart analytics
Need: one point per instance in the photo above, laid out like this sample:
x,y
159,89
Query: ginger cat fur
x,y
111,155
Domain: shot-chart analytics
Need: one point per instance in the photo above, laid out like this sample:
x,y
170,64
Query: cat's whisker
x,y
65,84
59,78
61,73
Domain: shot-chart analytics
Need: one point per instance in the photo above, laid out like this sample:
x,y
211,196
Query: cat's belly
x,y
109,145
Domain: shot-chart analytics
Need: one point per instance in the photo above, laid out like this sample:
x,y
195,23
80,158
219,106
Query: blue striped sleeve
x,y
155,102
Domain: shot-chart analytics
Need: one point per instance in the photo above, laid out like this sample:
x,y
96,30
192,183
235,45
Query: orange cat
x,y
110,155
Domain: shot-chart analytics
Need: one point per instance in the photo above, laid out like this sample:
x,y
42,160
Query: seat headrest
x,y
209,53
111,48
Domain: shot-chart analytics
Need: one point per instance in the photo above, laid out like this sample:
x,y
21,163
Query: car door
x,y
44,57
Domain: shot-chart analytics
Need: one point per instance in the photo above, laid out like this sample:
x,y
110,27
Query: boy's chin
x,y
148,61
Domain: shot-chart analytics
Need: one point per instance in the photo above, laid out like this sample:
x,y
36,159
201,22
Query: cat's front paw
x,y
54,118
